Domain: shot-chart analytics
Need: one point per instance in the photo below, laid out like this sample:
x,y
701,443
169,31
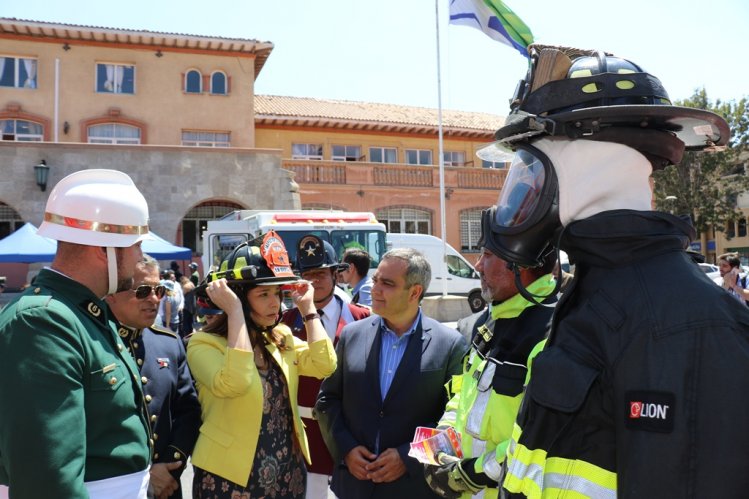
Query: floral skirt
x,y
278,469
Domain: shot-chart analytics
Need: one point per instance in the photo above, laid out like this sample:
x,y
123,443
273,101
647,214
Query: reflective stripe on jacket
x,y
486,397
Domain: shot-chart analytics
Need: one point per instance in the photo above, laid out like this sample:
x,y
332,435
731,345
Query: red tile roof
x,y
303,111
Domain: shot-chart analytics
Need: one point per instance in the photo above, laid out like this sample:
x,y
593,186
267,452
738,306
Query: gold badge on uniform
x,y
94,309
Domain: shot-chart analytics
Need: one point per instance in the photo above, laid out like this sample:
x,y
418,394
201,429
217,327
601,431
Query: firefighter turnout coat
x,y
487,395
641,390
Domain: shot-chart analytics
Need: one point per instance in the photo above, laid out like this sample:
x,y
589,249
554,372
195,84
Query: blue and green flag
x,y
495,19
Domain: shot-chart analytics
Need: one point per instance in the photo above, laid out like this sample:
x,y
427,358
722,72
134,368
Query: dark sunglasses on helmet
x,y
144,291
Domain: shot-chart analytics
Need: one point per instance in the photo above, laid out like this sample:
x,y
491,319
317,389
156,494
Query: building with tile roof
x,y
384,158
179,114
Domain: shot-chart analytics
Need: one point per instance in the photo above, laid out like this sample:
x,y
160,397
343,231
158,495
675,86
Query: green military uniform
x,y
487,396
71,405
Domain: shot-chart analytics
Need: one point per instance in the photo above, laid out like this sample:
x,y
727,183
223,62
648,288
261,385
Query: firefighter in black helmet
x,y
647,361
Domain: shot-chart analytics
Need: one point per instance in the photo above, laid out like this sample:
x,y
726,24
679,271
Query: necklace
x,y
260,361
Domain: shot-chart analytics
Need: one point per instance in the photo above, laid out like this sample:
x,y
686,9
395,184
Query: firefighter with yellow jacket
x,y
486,396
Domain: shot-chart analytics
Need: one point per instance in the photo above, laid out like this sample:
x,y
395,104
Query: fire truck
x,y
342,229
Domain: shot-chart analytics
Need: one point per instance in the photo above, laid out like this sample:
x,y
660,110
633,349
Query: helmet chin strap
x,y
538,299
112,270
533,298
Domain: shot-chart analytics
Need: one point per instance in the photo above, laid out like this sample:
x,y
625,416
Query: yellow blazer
x,y
231,397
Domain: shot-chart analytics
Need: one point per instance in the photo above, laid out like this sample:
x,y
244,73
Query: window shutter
x,y
206,83
228,85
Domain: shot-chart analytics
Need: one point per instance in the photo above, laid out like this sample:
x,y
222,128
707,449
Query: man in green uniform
x,y
72,416
486,397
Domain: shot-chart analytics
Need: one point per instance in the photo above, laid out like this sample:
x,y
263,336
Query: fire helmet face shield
x,y
523,222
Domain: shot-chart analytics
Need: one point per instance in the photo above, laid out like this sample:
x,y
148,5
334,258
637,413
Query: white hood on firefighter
x,y
597,176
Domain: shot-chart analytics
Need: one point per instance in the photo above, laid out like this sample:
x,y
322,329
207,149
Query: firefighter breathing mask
x,y
526,216
555,182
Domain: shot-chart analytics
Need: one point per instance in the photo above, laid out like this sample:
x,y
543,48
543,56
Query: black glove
x,y
451,480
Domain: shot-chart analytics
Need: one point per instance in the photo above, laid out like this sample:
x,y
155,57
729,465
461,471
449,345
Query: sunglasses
x,y
144,291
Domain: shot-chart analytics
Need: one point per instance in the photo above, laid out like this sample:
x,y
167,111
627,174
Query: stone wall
x,y
172,179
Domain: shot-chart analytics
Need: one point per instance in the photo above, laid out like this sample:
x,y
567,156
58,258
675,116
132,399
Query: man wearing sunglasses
x,y
172,403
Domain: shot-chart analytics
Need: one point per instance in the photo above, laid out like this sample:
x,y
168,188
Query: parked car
x,y
456,272
708,268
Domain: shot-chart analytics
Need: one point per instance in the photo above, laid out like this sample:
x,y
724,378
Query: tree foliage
x,y
706,186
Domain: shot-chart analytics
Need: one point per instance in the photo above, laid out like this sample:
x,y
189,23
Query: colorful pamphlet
x,y
429,443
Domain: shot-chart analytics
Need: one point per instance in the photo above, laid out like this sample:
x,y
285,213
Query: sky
x,y
386,51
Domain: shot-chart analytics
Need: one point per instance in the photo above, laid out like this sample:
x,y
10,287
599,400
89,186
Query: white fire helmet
x,y
96,208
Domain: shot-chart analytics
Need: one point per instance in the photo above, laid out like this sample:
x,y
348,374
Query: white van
x,y
460,275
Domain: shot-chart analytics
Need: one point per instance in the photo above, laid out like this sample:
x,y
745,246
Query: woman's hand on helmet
x,y
303,294
223,297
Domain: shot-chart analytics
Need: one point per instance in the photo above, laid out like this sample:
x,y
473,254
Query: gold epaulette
x,y
162,330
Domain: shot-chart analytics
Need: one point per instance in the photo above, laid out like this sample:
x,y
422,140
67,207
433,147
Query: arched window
x,y
193,82
218,83
405,220
113,133
10,220
196,221
22,130
470,229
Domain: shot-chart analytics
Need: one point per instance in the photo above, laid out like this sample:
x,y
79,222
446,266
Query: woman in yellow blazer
x,y
246,366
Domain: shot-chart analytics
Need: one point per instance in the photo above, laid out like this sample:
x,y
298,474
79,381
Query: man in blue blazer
x,y
391,376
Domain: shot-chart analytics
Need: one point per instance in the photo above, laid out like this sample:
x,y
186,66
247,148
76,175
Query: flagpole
x,y
443,230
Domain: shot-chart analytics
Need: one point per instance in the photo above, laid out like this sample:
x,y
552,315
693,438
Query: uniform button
x,y
148,398
153,418
156,456
37,291
140,362
177,455
382,414
135,345
150,442
120,347
144,380
155,436
112,380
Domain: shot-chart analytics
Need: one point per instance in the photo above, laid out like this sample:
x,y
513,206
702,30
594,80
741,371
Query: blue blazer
x,y
351,411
